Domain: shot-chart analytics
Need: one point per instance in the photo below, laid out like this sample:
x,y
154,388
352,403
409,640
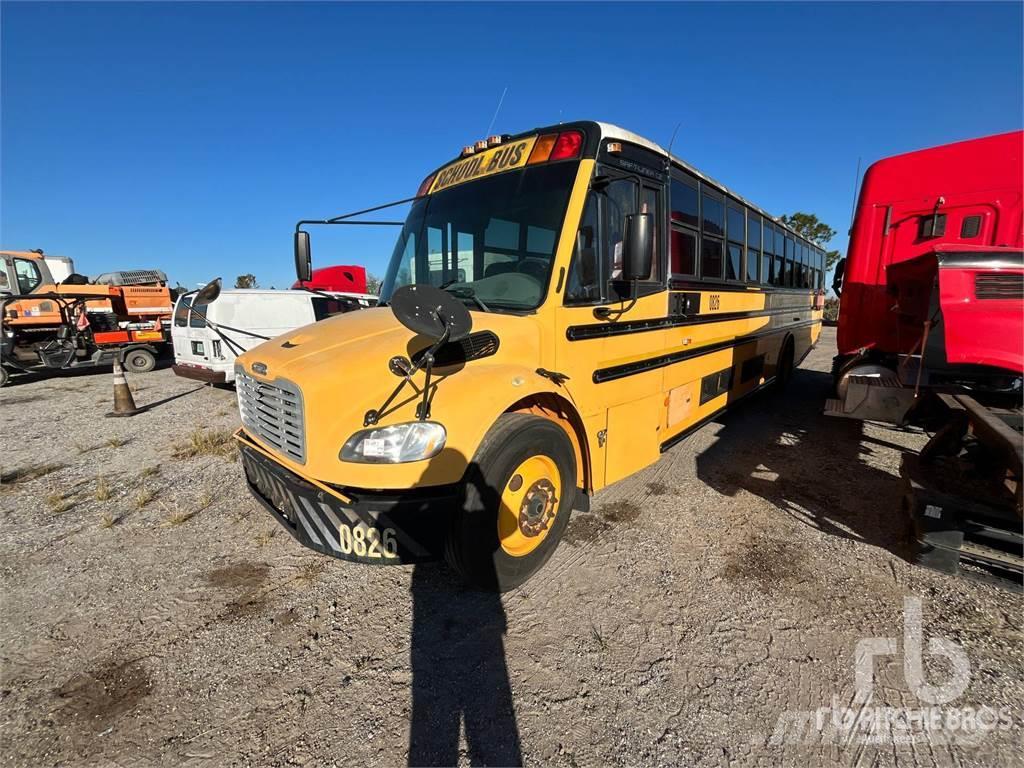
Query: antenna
x,y
668,162
500,101
856,186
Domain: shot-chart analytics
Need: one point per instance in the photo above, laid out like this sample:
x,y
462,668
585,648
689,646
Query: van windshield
x,y
489,242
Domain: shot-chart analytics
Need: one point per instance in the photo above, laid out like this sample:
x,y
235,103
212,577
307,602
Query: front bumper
x,y
364,527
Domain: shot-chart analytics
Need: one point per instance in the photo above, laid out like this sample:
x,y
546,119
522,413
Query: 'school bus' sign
x,y
505,157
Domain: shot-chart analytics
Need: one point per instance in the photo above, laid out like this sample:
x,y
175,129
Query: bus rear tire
x,y
139,361
519,493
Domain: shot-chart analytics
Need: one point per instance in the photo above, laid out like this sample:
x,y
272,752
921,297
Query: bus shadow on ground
x,y
819,470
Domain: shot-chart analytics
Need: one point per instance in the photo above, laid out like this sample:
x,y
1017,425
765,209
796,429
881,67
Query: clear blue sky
x,y
191,137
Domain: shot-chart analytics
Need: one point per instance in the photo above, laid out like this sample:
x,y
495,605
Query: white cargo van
x,y
209,336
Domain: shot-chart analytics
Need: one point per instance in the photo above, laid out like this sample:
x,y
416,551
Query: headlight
x,y
412,441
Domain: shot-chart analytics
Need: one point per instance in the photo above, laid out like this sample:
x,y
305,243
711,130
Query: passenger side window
x,y
649,203
586,271
28,275
596,272
620,200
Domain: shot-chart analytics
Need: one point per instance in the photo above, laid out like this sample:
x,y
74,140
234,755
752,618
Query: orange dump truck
x,y
79,323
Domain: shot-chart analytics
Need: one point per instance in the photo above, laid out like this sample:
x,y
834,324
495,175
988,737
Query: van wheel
x,y
519,491
784,371
4,376
139,361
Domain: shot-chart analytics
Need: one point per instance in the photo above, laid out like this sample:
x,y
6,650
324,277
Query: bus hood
x,y
340,367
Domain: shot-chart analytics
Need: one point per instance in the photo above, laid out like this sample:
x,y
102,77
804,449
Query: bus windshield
x,y
489,242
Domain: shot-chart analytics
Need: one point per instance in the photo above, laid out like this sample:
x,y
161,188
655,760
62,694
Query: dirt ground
x,y
153,614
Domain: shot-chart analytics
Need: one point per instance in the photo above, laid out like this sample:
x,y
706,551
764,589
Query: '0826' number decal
x,y
362,541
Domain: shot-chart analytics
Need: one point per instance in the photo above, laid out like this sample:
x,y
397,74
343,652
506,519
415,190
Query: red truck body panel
x,y
963,198
342,277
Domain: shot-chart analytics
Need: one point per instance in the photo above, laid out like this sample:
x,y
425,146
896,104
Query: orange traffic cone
x,y
124,403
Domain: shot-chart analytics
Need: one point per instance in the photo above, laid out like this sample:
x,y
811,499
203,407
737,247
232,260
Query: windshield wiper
x,y
464,292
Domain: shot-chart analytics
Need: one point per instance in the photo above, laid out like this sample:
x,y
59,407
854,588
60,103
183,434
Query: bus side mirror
x,y
638,243
303,259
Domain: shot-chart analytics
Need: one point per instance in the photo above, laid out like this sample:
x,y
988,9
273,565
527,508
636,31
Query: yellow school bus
x,y
561,307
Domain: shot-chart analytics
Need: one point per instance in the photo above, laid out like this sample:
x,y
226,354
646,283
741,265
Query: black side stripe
x,y
603,330
642,366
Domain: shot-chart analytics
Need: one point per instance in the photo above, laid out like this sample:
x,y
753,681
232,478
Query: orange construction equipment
x,y
46,325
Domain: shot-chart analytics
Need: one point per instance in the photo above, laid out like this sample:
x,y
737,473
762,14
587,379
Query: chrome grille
x,y
273,412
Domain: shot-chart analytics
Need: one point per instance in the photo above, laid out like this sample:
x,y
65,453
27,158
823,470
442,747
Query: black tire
x,y
4,376
784,370
473,548
139,361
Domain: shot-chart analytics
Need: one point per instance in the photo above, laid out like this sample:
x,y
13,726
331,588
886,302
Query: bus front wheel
x,y
519,490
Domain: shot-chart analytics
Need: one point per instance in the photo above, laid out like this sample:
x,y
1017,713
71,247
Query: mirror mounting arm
x,y
607,313
425,363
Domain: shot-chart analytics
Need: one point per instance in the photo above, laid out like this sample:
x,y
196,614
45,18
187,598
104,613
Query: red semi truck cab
x,y
938,237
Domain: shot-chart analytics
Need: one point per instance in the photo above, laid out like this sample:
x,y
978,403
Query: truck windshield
x,y
490,242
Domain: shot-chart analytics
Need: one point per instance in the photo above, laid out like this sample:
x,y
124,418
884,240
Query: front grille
x,y
1002,286
273,413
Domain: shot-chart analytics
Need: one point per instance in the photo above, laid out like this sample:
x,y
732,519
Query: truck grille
x,y
273,413
1000,286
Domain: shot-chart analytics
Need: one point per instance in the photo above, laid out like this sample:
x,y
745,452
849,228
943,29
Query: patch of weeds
x,y
584,528
143,497
309,571
58,502
595,633
206,442
117,442
103,491
205,500
27,474
107,520
177,517
149,472
262,539
621,512
767,562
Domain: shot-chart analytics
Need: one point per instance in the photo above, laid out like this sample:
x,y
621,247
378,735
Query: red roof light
x,y
568,145
425,186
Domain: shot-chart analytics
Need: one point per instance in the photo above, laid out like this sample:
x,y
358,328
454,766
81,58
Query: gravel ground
x,y
153,614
